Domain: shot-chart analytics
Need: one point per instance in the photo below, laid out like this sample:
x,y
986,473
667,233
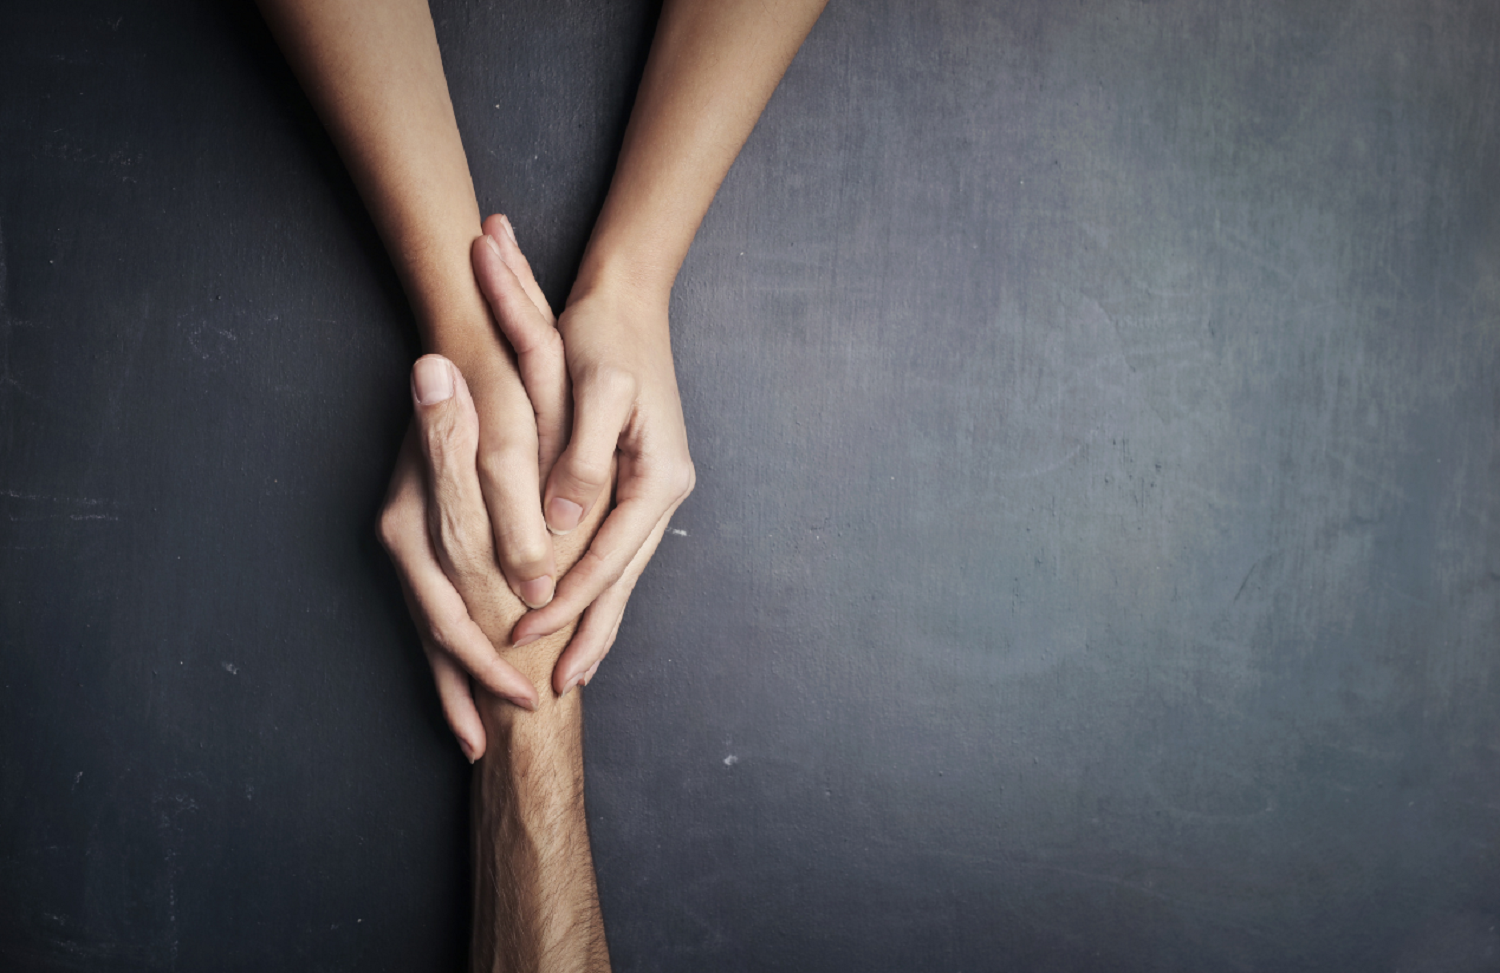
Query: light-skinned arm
x,y
373,71
712,68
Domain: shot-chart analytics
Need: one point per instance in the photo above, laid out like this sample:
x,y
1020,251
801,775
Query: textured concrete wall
x,y
1095,562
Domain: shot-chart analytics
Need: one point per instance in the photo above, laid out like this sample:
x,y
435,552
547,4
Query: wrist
x,y
626,267
522,735
534,759
634,292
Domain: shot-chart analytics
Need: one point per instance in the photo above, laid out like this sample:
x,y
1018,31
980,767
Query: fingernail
x,y
432,381
519,643
510,231
562,515
537,592
587,676
494,247
468,750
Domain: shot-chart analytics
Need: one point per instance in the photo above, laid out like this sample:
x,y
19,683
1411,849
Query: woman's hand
x,y
713,65
626,410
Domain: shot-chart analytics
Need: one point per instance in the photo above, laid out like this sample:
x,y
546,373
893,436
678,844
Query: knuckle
x,y
386,529
444,629
448,435
598,566
610,382
393,528
503,461
464,539
549,343
523,553
680,478
589,471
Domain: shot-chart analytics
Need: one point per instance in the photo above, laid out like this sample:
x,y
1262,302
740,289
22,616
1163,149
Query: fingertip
x,y
526,697
526,700
563,681
458,703
507,682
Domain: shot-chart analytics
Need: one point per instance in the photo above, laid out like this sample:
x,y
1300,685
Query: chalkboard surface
x,y
1095,563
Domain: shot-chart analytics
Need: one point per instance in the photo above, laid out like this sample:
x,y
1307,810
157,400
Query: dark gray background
x,y
1095,562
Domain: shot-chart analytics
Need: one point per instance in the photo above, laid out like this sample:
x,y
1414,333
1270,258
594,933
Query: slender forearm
x,y
374,73
713,66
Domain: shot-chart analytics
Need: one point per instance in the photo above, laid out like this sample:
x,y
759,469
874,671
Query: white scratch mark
x,y
18,495
677,530
731,760
230,668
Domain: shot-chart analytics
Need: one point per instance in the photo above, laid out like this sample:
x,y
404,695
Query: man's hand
x,y
454,546
626,410
536,906
523,420
436,523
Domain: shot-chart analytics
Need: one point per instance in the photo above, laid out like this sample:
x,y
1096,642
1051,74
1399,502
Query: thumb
x,y
448,434
444,410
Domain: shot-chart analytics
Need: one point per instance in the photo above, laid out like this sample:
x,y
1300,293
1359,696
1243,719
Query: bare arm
x,y
373,71
713,66
535,902
536,905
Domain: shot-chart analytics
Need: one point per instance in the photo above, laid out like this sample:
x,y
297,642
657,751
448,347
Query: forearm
x,y
712,68
373,71
536,905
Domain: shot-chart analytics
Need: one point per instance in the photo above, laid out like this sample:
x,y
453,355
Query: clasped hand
x,y
581,405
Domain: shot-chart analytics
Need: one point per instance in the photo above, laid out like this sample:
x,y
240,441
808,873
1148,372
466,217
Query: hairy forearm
x,y
536,905
713,67
373,71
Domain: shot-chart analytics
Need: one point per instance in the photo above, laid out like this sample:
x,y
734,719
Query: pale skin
x,y
556,417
